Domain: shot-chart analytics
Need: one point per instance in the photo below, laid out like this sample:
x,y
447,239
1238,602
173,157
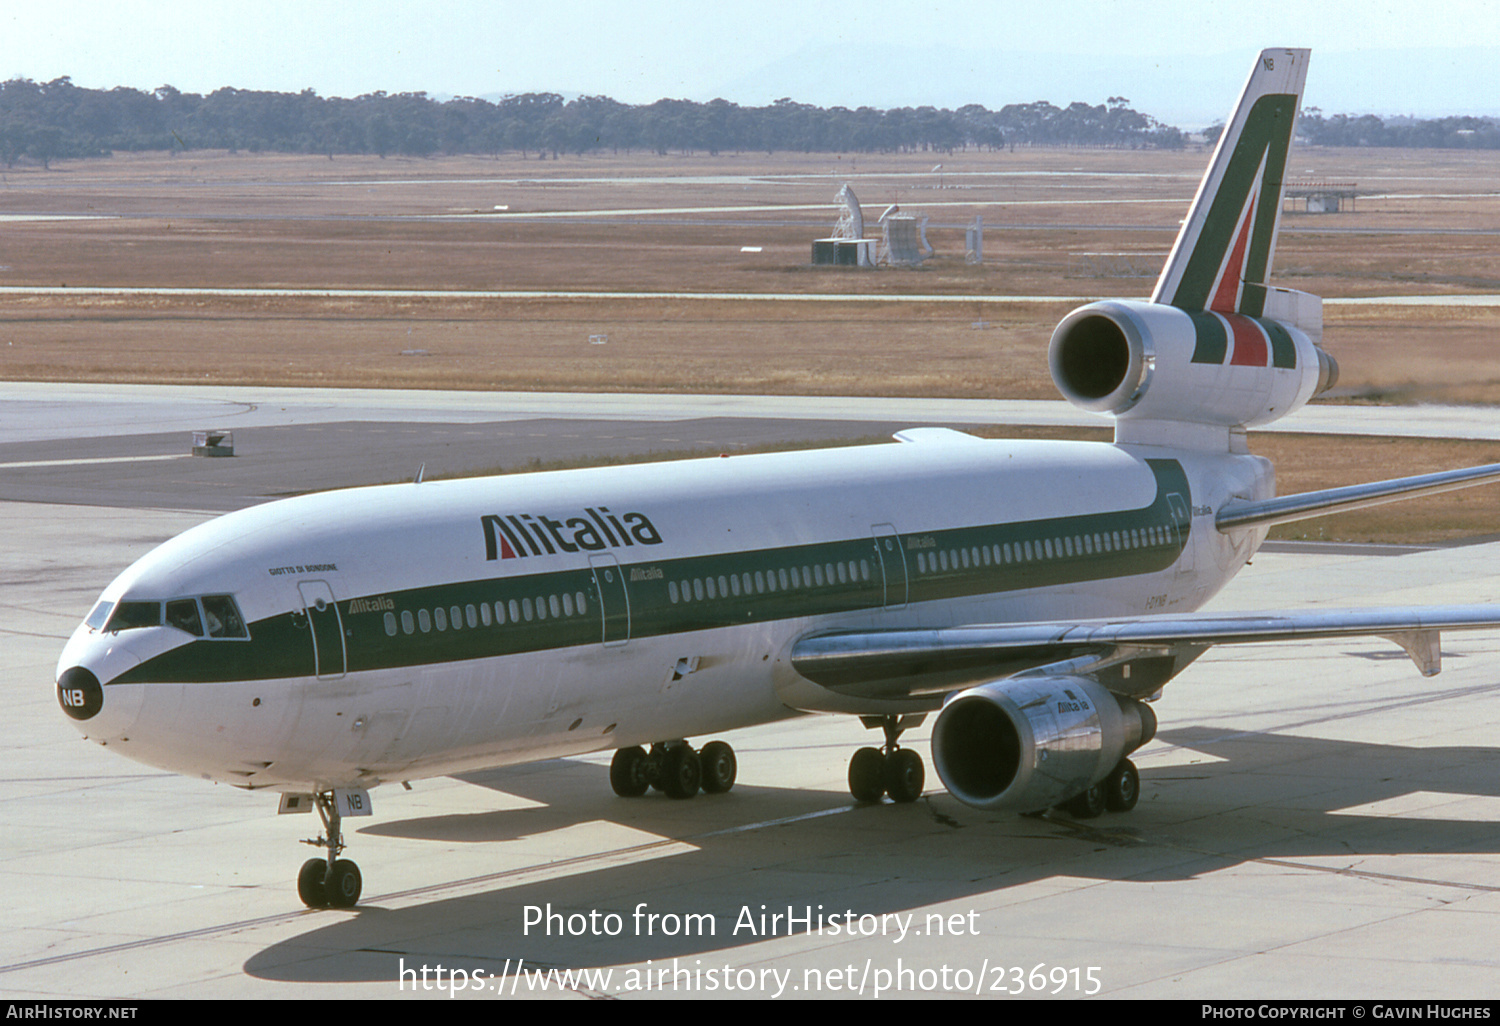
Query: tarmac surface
x,y
1318,821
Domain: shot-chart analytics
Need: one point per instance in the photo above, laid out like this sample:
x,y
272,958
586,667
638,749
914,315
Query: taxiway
x,y
1317,820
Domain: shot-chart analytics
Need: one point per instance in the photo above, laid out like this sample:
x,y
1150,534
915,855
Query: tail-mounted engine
x,y
1028,743
1150,361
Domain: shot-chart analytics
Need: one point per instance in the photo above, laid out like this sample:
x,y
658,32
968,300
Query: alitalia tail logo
x,y
518,535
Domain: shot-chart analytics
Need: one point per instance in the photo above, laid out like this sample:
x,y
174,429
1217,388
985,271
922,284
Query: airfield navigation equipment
x,y
847,246
903,239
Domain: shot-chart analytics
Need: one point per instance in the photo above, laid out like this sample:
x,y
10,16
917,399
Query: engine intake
x,y
1026,744
1152,361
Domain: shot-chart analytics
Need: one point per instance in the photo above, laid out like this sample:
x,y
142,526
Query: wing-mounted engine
x,y
1154,362
1028,743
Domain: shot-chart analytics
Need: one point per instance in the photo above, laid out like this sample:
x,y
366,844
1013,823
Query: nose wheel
x,y
329,882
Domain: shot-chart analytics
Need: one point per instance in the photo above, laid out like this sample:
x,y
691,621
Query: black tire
x,y
904,775
310,883
630,772
1122,788
1088,805
719,767
681,772
344,884
867,775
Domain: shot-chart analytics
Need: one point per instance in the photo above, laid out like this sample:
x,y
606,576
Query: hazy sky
x,y
875,52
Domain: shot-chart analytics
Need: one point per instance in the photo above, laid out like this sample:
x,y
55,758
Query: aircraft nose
x,y
79,693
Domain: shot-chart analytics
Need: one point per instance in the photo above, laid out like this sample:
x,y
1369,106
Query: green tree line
x,y
49,121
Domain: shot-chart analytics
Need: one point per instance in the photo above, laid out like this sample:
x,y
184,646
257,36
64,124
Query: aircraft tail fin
x,y
1222,256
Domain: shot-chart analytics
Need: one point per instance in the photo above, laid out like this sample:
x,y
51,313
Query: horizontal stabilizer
x,y
1239,515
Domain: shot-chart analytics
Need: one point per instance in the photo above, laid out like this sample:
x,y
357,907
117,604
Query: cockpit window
x,y
129,615
223,617
99,616
183,614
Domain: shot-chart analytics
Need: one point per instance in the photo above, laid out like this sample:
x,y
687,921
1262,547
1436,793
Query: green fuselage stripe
x,y
557,609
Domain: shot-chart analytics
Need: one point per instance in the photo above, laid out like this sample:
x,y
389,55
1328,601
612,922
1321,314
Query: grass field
x,y
1427,222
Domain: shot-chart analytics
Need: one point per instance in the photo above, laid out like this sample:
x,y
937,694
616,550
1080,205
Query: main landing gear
x,y
1117,792
673,768
329,882
889,769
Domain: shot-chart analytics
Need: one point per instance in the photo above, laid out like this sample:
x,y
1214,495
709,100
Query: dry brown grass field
x,y
1426,222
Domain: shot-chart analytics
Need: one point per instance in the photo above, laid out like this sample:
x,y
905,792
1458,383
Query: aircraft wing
x,y
1132,656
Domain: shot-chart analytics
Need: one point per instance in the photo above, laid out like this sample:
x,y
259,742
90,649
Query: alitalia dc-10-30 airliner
x,y
1035,595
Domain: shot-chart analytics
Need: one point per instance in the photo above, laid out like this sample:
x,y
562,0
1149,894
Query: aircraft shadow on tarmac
x,y
1262,796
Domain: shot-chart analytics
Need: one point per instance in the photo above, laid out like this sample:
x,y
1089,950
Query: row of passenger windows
x,y
1044,548
762,582
523,610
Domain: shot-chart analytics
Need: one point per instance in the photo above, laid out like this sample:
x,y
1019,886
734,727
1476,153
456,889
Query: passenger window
x,y
581,602
554,605
500,613
471,616
390,625
456,617
183,614
484,613
440,618
408,625
424,620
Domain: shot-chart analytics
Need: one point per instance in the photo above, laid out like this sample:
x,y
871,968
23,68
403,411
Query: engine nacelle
x,y
1029,743
1150,361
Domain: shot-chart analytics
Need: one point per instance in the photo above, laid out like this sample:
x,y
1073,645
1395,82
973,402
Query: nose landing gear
x,y
329,882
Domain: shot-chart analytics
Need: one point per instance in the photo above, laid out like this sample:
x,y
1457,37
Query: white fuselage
x,y
426,629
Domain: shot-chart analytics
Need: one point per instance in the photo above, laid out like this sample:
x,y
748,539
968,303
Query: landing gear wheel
x,y
681,772
332,881
719,767
1122,788
867,775
1088,805
629,772
344,884
310,883
904,775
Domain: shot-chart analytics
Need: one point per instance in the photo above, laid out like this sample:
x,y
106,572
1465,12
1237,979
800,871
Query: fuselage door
x,y
892,565
1181,528
614,602
326,627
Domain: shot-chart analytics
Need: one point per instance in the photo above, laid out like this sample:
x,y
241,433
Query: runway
x,y
1317,820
